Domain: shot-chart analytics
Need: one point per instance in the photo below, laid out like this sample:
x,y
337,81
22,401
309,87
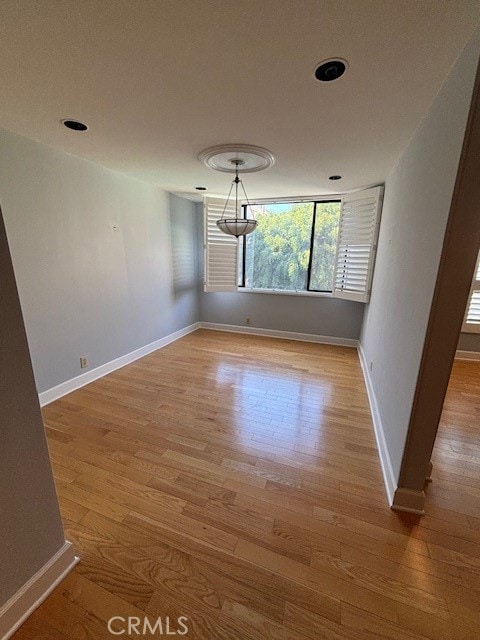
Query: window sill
x,y
471,328
281,292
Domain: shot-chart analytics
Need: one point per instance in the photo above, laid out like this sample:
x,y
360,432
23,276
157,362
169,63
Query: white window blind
x,y
359,224
221,250
472,315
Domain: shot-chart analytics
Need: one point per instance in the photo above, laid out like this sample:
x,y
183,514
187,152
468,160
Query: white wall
x,y
418,193
321,316
85,289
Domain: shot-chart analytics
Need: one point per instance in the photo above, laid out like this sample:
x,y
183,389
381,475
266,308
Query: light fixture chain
x,y
237,180
227,200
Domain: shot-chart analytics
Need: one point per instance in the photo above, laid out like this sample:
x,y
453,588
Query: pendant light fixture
x,y
236,226
237,158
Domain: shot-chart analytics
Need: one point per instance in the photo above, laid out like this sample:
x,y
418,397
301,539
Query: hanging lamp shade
x,y
237,226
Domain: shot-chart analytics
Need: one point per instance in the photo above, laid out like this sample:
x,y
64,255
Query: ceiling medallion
x,y
220,158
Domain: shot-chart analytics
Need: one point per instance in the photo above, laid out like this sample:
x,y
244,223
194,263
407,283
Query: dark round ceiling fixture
x,y
335,177
329,70
75,125
201,188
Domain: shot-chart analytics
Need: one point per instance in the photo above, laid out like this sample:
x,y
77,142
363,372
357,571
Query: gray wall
x,y
85,289
417,199
469,342
184,249
30,528
304,314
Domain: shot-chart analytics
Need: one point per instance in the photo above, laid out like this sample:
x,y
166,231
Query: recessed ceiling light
x,y
331,69
201,188
335,178
75,125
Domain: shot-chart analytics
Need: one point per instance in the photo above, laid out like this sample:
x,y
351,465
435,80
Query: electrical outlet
x,y
248,320
83,362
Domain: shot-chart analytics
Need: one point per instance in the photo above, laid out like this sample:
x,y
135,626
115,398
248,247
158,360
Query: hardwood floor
x,y
234,480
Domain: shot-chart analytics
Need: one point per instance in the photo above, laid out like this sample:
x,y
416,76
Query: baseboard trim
x,y
409,501
467,355
389,478
429,472
90,376
284,335
14,612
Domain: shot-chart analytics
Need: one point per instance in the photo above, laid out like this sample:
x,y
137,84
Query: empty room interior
x,y
240,319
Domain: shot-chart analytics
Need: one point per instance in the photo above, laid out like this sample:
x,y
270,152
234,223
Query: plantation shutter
x,y
221,250
357,239
472,316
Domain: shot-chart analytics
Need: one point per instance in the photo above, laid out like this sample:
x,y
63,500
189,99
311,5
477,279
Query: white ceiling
x,y
157,81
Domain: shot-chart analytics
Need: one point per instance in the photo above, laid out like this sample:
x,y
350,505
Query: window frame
x,y
360,219
468,327
299,200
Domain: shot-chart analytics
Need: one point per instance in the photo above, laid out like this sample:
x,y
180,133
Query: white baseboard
x,y
285,335
387,470
467,355
36,590
85,378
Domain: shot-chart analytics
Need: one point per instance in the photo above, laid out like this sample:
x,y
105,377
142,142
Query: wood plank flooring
x,y
234,480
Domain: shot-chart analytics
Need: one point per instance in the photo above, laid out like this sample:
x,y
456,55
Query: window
x,y
293,247
309,245
472,316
